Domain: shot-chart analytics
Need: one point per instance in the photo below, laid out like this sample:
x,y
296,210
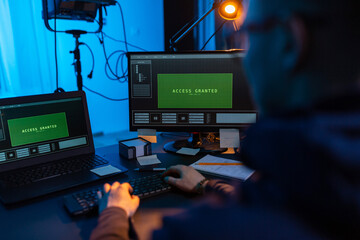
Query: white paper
x,y
188,151
148,160
148,134
107,170
234,171
138,144
229,138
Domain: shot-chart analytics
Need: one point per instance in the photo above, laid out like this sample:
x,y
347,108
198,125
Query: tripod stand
x,y
58,13
77,64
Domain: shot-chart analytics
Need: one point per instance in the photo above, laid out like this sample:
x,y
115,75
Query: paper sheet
x,y
148,160
107,170
148,134
188,151
138,144
234,171
229,138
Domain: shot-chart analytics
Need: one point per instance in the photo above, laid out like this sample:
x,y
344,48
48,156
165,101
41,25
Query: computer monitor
x,y
189,91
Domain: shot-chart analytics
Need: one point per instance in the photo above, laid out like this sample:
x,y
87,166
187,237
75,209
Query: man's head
x,y
301,51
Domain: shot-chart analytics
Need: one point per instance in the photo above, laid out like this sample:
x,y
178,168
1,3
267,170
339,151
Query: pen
x,y
204,163
150,169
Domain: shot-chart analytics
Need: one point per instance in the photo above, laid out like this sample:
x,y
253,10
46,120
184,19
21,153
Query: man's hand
x,y
183,177
118,195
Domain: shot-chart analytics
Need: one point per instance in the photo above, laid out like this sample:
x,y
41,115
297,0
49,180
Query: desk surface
x,y
46,217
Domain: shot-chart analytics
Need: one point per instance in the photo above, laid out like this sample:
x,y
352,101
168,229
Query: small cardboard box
x,y
135,147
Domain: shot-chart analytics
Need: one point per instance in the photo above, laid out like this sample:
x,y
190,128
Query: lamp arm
x,y
186,32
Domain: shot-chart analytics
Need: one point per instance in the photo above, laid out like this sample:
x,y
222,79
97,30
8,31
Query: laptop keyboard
x,y
86,201
55,169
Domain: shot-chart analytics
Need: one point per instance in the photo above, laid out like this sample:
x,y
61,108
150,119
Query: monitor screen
x,y
34,128
191,91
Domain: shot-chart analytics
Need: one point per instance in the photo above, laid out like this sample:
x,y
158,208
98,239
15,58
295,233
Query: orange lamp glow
x,y
230,9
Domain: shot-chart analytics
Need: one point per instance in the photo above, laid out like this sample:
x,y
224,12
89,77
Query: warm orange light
x,y
230,9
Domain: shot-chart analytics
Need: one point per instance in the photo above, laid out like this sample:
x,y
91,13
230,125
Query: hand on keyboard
x,y
118,195
87,200
183,177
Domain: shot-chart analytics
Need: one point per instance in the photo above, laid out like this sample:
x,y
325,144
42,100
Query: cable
x,y
121,59
101,95
130,44
107,60
93,59
217,30
114,74
56,60
123,23
90,76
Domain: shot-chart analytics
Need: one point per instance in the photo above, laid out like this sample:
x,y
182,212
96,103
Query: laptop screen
x,y
40,128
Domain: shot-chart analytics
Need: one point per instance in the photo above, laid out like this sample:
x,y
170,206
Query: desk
x,y
46,218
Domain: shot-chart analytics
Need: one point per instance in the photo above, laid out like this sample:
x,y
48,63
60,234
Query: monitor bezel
x,y
180,128
59,155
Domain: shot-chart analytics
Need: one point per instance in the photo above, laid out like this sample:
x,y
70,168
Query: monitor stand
x,y
207,142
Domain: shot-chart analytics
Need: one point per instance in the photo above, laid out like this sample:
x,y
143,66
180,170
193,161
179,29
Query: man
x,y
303,64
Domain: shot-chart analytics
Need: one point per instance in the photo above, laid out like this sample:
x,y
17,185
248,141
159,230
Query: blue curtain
x,y
25,50
27,64
206,27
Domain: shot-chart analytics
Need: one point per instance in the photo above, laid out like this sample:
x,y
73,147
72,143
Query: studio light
x,y
84,10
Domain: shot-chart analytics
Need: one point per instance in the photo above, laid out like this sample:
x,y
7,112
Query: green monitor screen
x,y
38,128
195,90
189,91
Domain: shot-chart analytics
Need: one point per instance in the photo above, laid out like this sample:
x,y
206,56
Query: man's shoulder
x,y
303,129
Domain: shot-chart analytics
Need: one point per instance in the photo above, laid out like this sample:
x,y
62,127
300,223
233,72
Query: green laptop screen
x,y
195,90
35,129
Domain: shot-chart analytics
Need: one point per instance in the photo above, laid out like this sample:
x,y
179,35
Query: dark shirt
x,y
113,223
309,188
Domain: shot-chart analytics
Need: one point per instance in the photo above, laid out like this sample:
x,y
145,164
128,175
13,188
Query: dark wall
x,y
176,14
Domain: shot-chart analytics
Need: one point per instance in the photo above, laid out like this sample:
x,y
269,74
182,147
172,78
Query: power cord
x,y
123,23
217,30
93,59
114,76
57,90
108,98
90,76
121,41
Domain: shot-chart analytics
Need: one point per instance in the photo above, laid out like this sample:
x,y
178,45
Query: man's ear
x,y
298,45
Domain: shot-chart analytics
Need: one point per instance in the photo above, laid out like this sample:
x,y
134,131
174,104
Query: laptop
x,y
46,145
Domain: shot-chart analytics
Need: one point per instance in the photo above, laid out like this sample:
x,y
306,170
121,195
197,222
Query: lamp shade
x,y
230,9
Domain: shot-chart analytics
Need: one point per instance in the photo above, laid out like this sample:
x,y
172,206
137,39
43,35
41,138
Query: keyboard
x,y
85,202
54,169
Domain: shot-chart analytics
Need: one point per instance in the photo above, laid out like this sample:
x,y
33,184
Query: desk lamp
x,y
84,10
227,9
